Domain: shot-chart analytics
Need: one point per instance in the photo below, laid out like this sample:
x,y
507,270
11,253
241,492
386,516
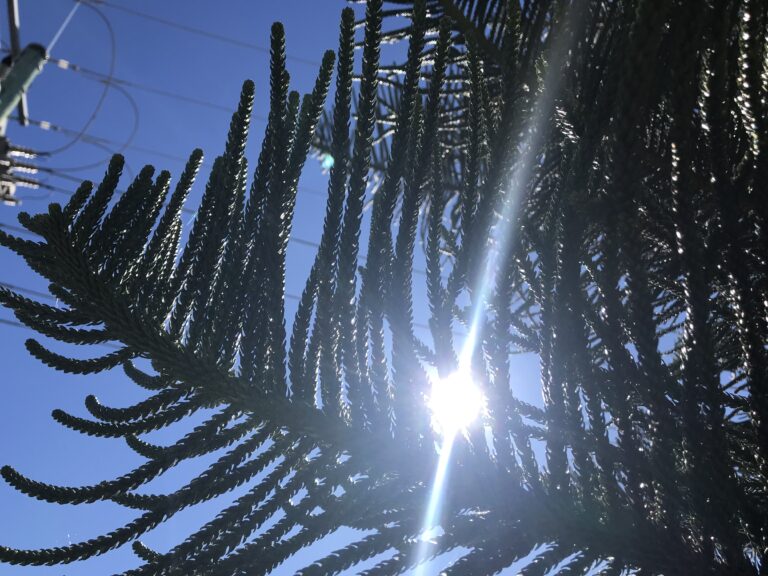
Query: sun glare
x,y
455,402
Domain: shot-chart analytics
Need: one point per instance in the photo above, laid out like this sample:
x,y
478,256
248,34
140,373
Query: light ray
x,y
434,504
500,245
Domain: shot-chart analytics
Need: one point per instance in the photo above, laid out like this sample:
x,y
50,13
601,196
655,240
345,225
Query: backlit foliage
x,y
589,175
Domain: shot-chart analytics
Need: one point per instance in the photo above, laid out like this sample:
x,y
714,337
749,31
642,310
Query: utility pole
x,y
17,71
13,26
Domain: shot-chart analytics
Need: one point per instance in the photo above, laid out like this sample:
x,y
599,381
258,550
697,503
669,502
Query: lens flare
x,y
432,514
455,402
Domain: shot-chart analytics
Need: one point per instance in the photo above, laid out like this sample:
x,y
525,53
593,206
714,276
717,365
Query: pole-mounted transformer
x,y
23,70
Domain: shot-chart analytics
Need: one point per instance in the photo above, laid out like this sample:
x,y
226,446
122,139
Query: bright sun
x,y
455,402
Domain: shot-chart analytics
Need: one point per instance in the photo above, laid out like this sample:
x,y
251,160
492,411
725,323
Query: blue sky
x,y
156,56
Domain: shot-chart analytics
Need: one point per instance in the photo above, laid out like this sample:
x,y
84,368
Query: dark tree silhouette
x,y
589,178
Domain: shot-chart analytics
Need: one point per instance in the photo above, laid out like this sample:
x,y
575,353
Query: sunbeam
x,y
455,402
435,500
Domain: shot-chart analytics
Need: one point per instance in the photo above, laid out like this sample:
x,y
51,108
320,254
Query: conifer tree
x,y
589,180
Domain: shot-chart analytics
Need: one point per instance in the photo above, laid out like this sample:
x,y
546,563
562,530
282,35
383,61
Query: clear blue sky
x,y
167,59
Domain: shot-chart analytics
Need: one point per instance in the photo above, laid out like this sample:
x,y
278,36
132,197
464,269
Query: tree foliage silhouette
x,y
590,179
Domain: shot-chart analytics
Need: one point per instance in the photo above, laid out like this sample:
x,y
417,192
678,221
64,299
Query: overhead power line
x,y
100,77
63,27
200,32
46,296
38,294
293,239
120,147
107,82
100,140
14,323
51,127
111,79
27,291
16,229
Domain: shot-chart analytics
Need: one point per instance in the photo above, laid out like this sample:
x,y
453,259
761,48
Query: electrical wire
x,y
96,140
24,231
96,76
38,294
61,175
27,291
101,78
106,142
107,84
109,81
16,229
200,32
51,189
40,197
67,192
292,239
30,292
63,26
13,323
129,139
